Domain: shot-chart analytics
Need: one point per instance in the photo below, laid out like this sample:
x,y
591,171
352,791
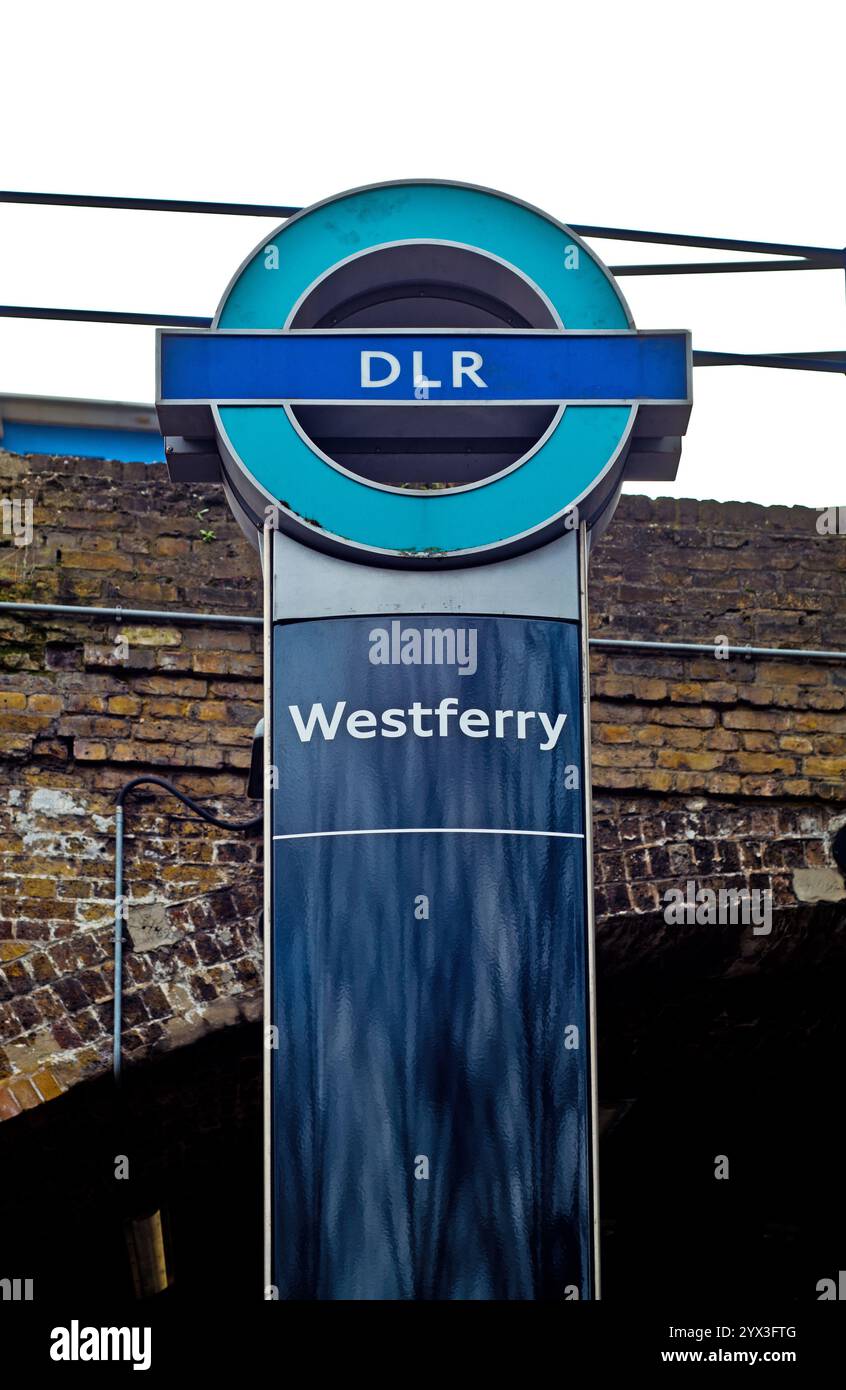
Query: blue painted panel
x,y
512,367
402,1040
127,446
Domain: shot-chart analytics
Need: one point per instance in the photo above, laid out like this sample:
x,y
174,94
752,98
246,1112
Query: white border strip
x,y
268,561
590,911
431,830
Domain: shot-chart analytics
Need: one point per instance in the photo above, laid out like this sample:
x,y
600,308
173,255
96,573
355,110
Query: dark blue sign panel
x,y
476,368
431,1084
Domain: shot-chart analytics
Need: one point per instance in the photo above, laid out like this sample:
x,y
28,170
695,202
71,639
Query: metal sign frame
x,y
329,587
509,543
575,464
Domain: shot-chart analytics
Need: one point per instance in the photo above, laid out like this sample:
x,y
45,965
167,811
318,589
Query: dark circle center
x,y
420,285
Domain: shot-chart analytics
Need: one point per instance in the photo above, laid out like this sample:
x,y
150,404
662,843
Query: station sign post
x,y
423,399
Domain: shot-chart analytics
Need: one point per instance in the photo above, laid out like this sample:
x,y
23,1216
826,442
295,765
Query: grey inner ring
x,y
424,285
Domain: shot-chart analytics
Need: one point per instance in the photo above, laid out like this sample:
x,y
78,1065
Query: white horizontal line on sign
x,y
432,830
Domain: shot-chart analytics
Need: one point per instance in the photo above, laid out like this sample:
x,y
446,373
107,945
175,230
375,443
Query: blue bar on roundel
x,y
431,1084
471,368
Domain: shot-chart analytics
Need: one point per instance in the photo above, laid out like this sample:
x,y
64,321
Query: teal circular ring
x,y
317,495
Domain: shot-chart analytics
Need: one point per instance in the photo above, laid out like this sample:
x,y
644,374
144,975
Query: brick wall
x,y
744,758
79,715
728,772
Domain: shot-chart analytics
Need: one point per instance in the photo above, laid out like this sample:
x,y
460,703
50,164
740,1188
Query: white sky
x,y
723,119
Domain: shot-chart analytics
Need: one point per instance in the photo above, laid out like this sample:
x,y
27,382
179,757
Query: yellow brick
x,y
794,743
212,709
45,704
46,1085
723,739
824,767
757,741
684,738
167,709
724,784
641,688
124,704
171,545
694,762
25,1093
764,762
617,779
210,663
93,560
810,723
13,950
655,781
651,734
799,673
9,1103
831,743
86,751
689,692
152,636
621,757
15,743
38,888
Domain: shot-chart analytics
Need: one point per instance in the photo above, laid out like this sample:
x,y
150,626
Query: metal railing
x,y
785,256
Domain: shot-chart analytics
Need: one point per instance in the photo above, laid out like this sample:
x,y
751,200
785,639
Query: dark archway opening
x,y
696,1059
